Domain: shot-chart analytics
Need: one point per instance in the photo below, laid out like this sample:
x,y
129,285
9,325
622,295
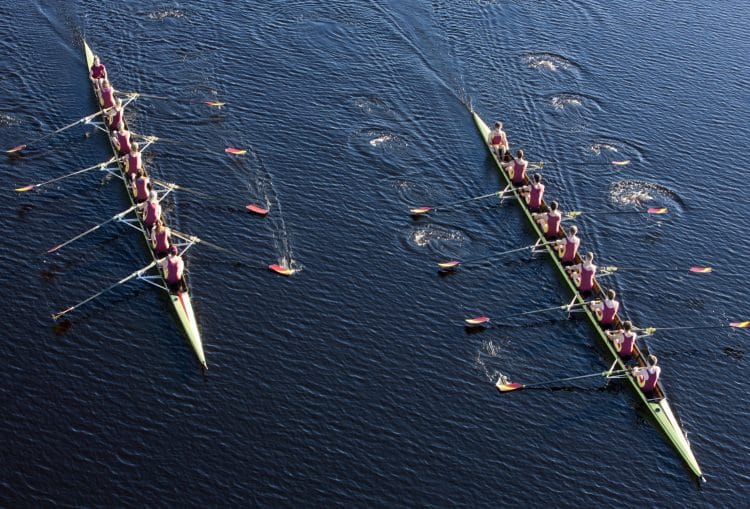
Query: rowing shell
x,y
656,402
180,300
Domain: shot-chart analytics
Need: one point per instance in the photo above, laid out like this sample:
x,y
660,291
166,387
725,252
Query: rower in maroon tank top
x,y
174,268
106,94
152,211
534,193
623,339
583,274
133,162
498,140
141,186
567,247
161,239
115,115
517,169
121,139
98,72
549,221
606,310
648,375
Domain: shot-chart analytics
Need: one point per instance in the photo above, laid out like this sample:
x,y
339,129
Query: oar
x,y
424,210
606,271
652,210
93,229
484,319
541,164
504,386
135,95
99,166
109,288
279,269
733,325
79,121
452,264
172,185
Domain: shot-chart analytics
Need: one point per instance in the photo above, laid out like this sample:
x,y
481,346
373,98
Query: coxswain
x,y
174,268
549,221
114,115
152,210
141,186
161,239
534,193
106,94
606,310
648,375
517,169
98,72
583,274
133,161
498,141
567,247
623,339
121,139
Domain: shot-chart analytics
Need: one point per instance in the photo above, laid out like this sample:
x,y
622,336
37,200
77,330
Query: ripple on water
x,y
434,237
370,104
641,194
165,13
549,62
374,138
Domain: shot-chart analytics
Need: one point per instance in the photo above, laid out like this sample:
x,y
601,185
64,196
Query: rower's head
x,y
118,103
498,125
573,230
120,125
611,294
141,173
134,147
590,256
652,359
537,178
519,153
626,325
96,60
173,251
105,83
152,196
553,205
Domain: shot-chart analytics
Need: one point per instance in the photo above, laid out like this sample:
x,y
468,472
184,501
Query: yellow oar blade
x,y
278,269
621,163
740,325
477,320
449,265
25,188
657,210
701,270
235,151
214,103
16,149
420,210
508,387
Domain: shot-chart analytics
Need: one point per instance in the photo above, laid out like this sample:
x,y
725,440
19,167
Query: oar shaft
x,y
564,306
107,289
78,172
580,377
93,229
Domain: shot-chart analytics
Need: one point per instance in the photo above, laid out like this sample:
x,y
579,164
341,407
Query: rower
x,y
133,161
498,140
106,94
141,186
174,268
534,193
583,274
161,239
121,139
517,169
152,211
567,247
114,115
549,221
648,375
606,310
623,339
98,72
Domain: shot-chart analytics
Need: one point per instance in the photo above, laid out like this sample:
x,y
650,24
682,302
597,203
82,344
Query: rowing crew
x,y
566,244
144,195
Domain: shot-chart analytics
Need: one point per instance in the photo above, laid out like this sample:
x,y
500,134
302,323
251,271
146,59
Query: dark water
x,y
353,383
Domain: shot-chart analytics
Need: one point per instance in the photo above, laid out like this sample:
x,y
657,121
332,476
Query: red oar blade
x,y
657,210
25,188
278,269
449,265
235,151
740,325
701,270
16,149
257,209
420,210
477,320
214,103
621,163
509,387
